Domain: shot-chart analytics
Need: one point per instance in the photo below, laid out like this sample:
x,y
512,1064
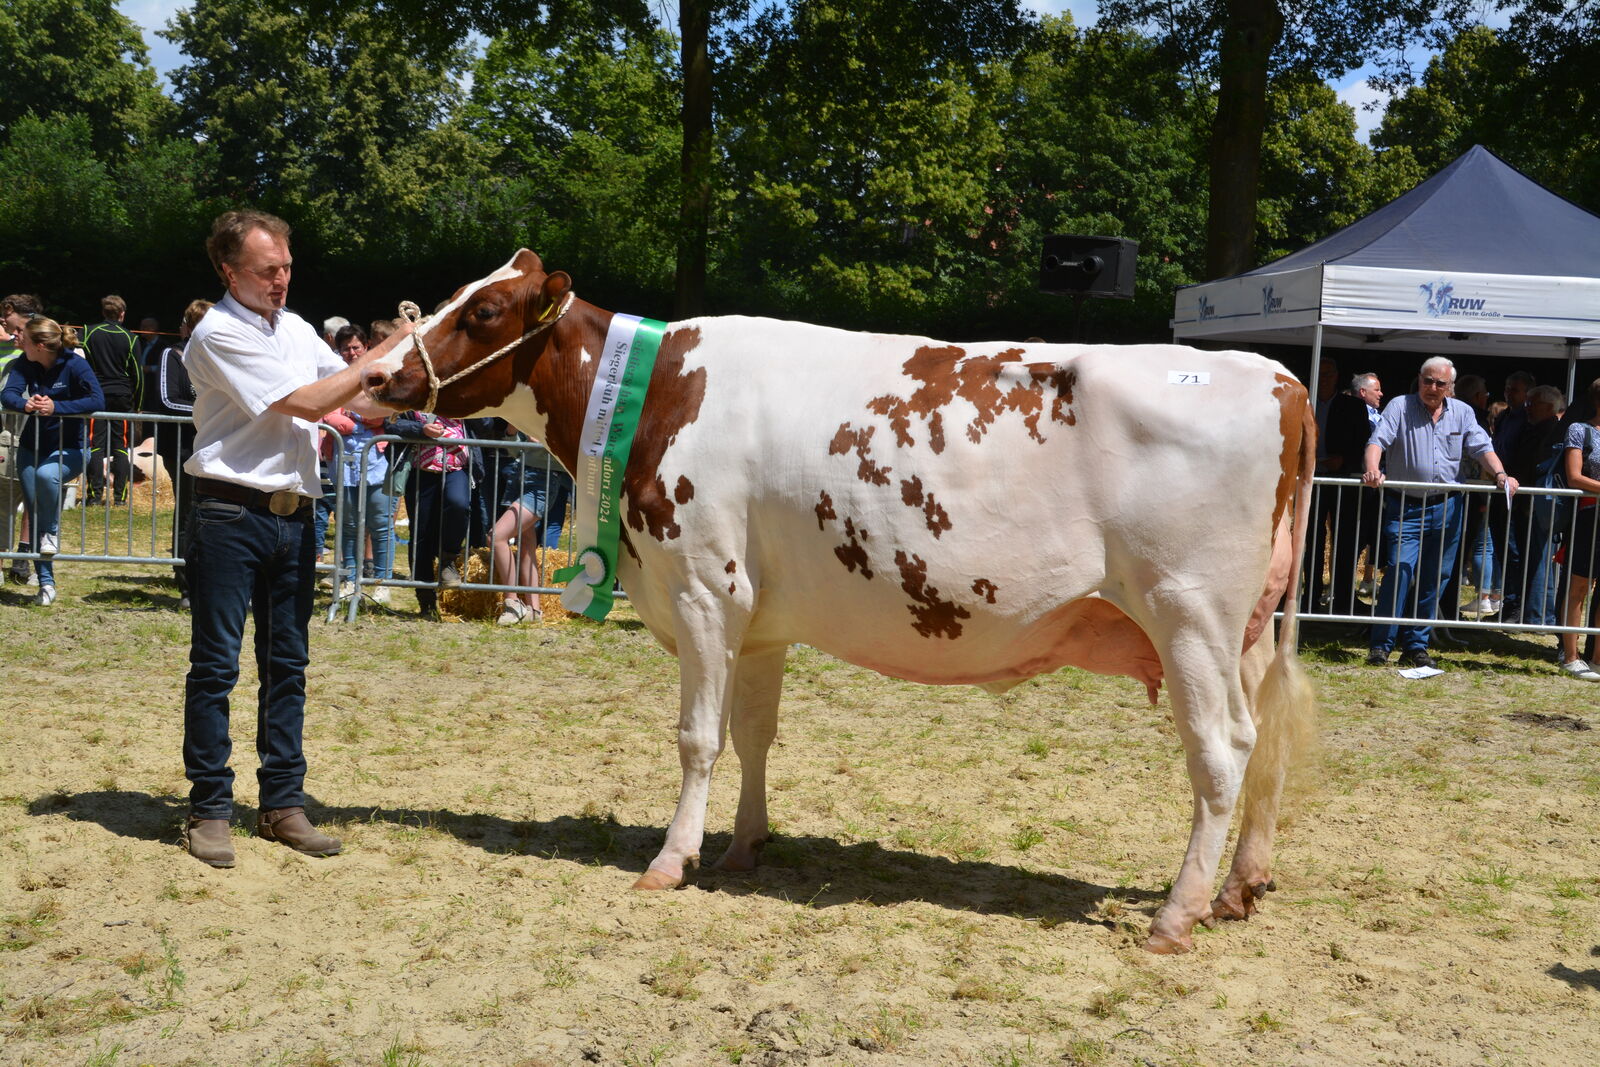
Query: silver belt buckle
x,y
285,502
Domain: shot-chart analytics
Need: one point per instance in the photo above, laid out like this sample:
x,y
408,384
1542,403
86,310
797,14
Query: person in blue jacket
x,y
48,382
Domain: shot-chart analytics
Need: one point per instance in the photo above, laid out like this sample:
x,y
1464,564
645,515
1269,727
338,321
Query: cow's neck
x,y
563,377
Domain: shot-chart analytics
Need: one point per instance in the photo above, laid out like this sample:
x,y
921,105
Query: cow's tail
x,y
1286,706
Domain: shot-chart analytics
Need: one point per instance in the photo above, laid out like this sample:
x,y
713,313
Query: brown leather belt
x,y
283,502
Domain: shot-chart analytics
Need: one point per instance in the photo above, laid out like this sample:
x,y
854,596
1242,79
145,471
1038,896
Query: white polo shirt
x,y
241,364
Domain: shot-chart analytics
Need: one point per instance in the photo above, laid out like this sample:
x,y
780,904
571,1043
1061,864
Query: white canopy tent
x,y
1478,259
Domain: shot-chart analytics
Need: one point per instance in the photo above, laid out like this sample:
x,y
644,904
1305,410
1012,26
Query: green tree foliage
x,y
338,119
1243,46
79,57
1100,138
1486,88
586,146
859,148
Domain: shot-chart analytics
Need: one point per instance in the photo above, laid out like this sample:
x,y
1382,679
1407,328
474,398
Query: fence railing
x,y
148,528
1461,555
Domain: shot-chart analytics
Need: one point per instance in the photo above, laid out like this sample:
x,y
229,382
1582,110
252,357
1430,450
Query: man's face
x,y
1541,411
1516,394
259,277
353,349
15,321
1327,379
1434,385
1371,391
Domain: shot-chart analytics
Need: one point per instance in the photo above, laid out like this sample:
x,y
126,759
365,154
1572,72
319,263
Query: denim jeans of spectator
x,y
444,502
247,561
1420,540
380,527
41,478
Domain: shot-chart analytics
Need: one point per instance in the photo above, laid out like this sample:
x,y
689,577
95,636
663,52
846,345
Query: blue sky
x,y
152,15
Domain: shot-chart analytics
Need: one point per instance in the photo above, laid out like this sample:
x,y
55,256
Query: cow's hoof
x,y
741,859
1167,945
1239,902
654,879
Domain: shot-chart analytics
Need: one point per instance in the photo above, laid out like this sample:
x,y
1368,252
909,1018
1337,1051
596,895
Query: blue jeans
x,y
1539,605
380,525
444,503
1419,552
41,478
247,561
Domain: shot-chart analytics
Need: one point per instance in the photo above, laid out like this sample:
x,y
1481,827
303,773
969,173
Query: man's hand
x,y
39,404
1372,478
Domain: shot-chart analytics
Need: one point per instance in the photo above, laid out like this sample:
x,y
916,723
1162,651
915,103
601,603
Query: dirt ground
x,y
956,879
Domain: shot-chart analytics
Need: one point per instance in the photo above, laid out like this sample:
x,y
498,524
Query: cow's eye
x,y
485,312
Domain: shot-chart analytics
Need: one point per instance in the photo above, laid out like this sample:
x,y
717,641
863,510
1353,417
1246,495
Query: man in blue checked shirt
x,y
1422,437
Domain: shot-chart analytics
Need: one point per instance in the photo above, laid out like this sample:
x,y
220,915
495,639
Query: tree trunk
x,y
1251,31
694,204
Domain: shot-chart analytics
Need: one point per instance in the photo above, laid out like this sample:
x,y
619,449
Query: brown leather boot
x,y
291,826
209,842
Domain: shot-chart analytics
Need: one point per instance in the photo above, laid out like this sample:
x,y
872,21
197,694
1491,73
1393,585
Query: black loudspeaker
x,y
1088,266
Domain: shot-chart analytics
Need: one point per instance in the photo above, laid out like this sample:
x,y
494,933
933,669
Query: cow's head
x,y
488,334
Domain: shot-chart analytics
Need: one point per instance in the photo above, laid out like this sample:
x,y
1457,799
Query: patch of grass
x,y
1026,837
1499,876
1107,1003
1264,1022
403,1054
675,978
24,931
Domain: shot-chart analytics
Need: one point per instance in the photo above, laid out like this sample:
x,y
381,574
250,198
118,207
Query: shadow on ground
x,y
816,871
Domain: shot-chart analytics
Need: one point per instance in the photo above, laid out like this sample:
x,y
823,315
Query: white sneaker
x,y
47,596
380,595
1579,669
1485,606
513,613
49,544
347,589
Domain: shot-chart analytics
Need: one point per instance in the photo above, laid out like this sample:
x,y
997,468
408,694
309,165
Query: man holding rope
x,y
262,378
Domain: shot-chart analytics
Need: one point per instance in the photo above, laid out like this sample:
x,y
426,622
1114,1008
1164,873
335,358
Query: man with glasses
x,y
1422,437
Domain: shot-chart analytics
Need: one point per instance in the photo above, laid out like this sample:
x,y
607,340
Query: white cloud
x,y
1356,90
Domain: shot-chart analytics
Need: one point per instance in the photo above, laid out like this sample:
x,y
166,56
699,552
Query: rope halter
x,y
413,314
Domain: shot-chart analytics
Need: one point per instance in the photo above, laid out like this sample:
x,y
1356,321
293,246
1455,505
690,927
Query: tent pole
x,y
1572,367
1316,362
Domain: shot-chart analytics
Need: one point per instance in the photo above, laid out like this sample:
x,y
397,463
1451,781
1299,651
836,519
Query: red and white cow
x,y
950,514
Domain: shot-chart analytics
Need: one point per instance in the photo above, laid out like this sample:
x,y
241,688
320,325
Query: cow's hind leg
x,y
1284,715
758,682
708,639
1213,719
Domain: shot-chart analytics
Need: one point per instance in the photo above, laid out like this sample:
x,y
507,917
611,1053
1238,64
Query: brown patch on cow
x,y
986,589
683,492
912,496
824,510
672,403
935,617
853,554
898,412
1293,402
731,568
731,587
861,441
993,385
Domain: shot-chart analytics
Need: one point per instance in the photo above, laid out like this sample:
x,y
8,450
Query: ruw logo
x,y
1441,302
1270,303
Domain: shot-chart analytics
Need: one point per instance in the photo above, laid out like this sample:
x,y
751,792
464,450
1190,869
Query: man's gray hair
x,y
1547,394
334,325
1440,363
1360,381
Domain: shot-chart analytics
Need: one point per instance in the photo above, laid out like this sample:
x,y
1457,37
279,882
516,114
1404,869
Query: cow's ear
x,y
527,262
556,288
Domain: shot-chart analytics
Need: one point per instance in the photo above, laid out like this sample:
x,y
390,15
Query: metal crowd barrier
x,y
119,531
1506,554
505,460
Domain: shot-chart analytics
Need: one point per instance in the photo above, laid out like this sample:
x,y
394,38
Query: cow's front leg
x,y
758,684
708,650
